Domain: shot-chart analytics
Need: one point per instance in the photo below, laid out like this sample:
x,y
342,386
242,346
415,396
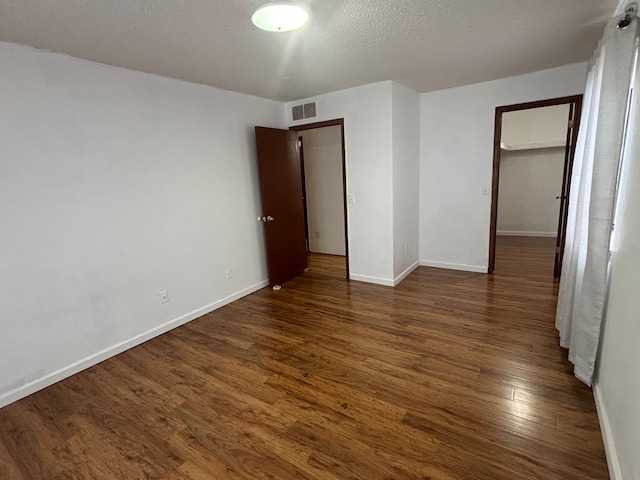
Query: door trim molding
x,y
497,133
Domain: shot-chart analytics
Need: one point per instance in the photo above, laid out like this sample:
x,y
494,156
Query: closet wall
x,y
531,168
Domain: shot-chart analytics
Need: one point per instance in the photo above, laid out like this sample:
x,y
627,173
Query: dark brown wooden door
x,y
570,150
282,203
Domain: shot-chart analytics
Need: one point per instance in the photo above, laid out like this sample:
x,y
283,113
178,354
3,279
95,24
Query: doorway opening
x,y
534,146
322,156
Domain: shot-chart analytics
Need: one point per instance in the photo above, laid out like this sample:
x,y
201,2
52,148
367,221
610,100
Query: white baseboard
x,y
607,436
51,378
454,266
511,233
405,273
387,282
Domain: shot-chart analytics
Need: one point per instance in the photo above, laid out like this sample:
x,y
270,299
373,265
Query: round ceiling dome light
x,y
280,17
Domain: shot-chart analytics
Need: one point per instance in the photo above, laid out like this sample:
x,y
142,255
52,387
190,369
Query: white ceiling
x,y
425,44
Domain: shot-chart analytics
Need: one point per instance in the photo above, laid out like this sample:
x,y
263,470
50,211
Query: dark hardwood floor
x,y
335,265
535,255
450,375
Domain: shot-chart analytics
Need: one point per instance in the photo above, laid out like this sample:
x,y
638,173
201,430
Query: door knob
x,y
270,218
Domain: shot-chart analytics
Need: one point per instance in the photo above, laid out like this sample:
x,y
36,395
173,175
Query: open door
x,y
282,203
570,150
575,103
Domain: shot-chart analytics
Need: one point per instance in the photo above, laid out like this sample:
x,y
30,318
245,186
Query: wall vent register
x,y
300,112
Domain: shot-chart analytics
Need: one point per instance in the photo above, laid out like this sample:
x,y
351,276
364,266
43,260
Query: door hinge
x,y
557,250
572,123
299,143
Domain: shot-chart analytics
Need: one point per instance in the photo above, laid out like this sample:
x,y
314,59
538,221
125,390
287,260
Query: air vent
x,y
300,112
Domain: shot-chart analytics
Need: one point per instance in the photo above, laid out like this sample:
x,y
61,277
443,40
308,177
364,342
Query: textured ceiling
x,y
425,44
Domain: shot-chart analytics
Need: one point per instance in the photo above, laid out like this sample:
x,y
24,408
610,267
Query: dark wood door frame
x,y
304,192
330,123
576,101
570,150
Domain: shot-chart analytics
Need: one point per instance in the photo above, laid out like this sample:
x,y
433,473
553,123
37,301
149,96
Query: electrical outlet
x,y
229,274
164,296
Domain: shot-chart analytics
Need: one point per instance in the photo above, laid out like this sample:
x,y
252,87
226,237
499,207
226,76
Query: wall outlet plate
x,y
164,296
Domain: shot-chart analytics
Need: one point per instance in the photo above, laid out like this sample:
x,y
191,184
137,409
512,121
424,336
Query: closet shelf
x,y
532,146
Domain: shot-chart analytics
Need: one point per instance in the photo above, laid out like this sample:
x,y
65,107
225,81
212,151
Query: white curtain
x,y
583,283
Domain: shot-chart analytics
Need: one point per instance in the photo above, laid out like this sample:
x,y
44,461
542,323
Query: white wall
x,y
535,126
456,155
325,193
115,185
406,170
368,143
530,180
617,383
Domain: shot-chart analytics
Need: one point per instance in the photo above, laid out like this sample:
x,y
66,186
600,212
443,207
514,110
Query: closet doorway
x,y
534,145
322,156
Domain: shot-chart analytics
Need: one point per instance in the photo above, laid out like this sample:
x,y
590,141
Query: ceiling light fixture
x,y
280,17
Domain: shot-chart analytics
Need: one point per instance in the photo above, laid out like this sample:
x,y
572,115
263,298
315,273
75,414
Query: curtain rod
x,y
630,13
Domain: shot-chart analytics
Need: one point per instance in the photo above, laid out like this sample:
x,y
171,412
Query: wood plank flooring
x,y
450,375
535,255
328,264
